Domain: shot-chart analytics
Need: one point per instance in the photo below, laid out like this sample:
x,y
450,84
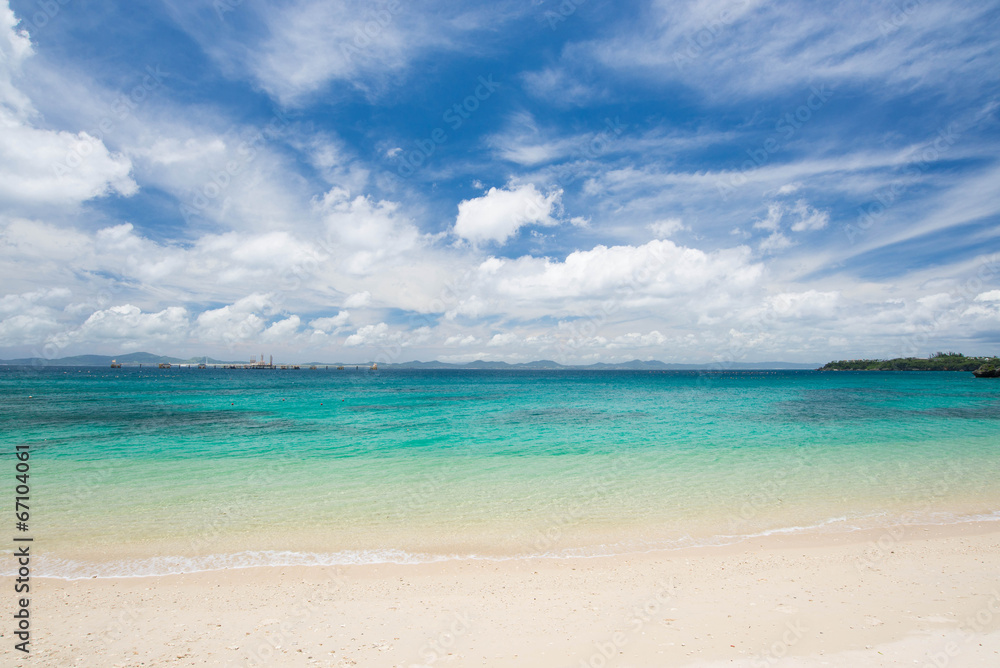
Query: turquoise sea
x,y
151,471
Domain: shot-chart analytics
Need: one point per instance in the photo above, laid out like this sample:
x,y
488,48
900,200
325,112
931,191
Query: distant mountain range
x,y
635,365
105,360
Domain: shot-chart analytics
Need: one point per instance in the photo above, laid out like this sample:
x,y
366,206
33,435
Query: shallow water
x,y
153,471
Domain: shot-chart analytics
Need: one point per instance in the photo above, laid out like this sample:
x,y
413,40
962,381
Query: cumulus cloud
x,y
799,217
358,300
634,340
774,242
810,303
664,229
42,166
772,221
282,331
504,339
659,268
381,336
501,212
240,321
50,167
36,299
24,329
808,218
333,324
131,327
15,48
365,231
462,341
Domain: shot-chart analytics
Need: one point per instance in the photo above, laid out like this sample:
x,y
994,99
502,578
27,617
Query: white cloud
x,y
133,328
462,341
306,45
802,217
41,166
504,339
637,340
372,335
235,322
753,47
659,269
524,143
500,213
472,307
667,227
775,242
380,336
808,218
331,325
775,212
558,87
365,232
15,48
358,300
24,329
282,331
991,296
810,303
37,300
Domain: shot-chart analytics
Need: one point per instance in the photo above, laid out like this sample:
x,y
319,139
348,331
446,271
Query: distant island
x,y
938,362
135,359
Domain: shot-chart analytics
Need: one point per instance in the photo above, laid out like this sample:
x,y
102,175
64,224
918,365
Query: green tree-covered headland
x,y
937,362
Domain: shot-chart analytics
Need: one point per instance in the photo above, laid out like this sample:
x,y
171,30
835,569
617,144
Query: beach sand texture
x,y
913,596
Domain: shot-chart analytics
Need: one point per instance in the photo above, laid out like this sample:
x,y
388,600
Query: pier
x,y
255,364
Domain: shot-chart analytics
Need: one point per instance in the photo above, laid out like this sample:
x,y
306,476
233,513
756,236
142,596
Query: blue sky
x,y
578,181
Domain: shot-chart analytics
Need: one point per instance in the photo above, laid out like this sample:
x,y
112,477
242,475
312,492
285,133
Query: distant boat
x,y
202,366
115,364
164,365
374,367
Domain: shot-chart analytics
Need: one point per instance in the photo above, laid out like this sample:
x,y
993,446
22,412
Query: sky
x,y
578,181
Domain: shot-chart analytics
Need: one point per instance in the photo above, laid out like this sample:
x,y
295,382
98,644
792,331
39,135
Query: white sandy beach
x,y
931,597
